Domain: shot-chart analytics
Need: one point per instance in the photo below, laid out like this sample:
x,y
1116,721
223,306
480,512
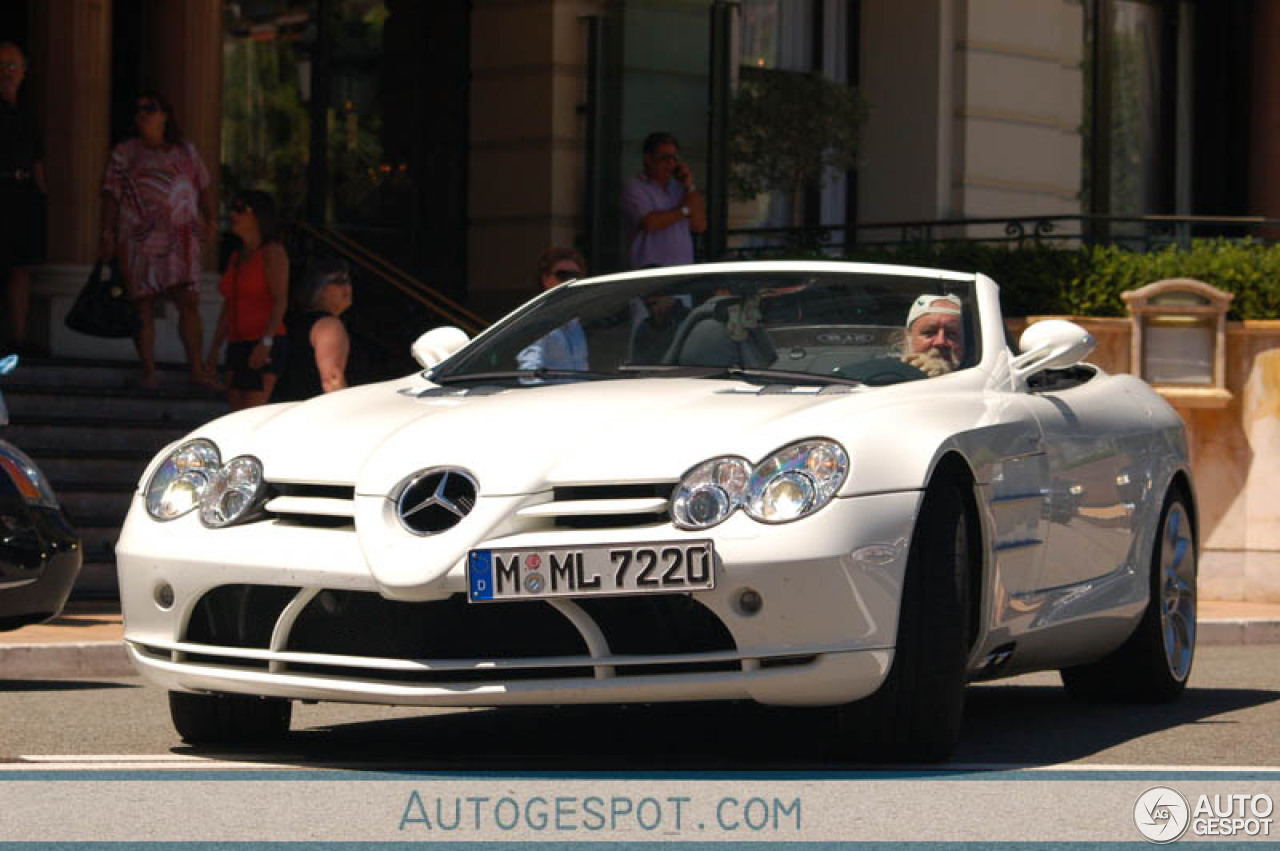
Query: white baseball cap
x,y
928,304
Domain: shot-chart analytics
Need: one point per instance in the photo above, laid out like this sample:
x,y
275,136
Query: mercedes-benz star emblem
x,y
436,501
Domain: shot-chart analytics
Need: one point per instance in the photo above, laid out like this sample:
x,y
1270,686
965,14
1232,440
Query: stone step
x,y
123,375
97,581
101,501
67,468
52,433
31,402
99,541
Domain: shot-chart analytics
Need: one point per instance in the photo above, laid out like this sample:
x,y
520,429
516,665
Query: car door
x,y
1089,431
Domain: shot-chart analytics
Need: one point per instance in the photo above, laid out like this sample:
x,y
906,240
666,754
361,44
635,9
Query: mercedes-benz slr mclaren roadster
x,y
797,483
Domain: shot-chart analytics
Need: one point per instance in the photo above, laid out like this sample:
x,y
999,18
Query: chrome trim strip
x,y
313,505
426,665
597,644
1017,497
284,623
18,583
1005,546
580,507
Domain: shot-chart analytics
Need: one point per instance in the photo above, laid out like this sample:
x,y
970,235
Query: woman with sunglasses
x,y
156,211
318,341
255,294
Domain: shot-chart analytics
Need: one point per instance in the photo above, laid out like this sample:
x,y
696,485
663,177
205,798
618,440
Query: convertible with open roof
x,y
796,483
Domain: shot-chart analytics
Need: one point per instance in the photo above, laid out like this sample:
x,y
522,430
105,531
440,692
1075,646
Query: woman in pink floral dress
x,y
156,212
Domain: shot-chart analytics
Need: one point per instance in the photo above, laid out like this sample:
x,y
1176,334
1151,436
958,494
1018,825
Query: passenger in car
x,y
934,337
566,346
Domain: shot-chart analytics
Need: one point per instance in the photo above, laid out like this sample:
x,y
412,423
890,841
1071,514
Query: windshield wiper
x,y
541,374
783,375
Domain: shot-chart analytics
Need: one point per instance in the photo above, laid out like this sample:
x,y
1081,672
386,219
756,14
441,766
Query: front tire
x,y
229,719
1153,665
916,715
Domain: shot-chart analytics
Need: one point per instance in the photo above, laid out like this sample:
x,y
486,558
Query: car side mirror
x,y
437,344
1052,344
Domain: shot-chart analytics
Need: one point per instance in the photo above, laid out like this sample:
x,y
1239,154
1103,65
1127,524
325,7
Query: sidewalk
x,y
85,641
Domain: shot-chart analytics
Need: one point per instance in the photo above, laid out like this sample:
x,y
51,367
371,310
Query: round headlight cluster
x,y
710,492
178,484
233,493
793,482
193,476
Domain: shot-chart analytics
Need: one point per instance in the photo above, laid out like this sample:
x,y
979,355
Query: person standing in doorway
x,y
662,207
156,211
22,191
255,293
319,345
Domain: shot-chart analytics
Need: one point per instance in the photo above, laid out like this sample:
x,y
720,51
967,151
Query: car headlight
x,y
26,477
791,483
179,483
234,493
710,492
796,481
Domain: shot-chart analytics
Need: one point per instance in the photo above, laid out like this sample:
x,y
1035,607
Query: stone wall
x,y
1235,455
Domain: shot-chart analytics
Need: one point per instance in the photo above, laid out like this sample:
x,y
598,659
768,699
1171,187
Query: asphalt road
x,y
1229,716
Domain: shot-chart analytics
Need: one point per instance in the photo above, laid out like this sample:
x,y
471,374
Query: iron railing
x,y
391,308
1140,233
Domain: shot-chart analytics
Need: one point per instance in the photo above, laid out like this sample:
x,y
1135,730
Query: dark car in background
x,y
40,553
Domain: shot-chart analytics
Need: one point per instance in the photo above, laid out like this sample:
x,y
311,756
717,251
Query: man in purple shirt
x,y
661,207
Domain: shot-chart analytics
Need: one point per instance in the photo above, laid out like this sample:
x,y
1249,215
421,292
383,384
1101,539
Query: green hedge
x,y
1087,282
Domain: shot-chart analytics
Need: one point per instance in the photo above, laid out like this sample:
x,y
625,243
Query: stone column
x,y
70,66
185,63
1264,165
69,72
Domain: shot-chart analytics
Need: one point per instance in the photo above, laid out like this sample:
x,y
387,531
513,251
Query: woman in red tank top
x,y
255,293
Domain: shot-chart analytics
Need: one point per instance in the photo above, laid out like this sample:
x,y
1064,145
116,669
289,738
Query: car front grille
x,y
363,636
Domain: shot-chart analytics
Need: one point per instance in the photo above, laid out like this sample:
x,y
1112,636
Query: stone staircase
x,y
92,430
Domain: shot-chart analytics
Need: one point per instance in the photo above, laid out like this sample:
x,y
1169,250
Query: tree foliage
x,y
1039,279
788,129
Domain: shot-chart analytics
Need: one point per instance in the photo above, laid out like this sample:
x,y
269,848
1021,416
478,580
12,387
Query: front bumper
x,y
279,610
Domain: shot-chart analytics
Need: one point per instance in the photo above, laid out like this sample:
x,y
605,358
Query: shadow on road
x,y
1004,724
60,685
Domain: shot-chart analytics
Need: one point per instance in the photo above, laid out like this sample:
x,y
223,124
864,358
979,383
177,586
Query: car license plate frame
x,y
593,570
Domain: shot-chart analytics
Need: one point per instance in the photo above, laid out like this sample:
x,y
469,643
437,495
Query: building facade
x,y
457,138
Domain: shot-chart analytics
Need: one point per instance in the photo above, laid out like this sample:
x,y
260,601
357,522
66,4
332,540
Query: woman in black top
x,y
318,341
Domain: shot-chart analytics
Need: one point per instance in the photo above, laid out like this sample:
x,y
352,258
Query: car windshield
x,y
775,326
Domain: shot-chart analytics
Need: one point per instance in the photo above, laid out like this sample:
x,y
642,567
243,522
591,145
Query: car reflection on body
x,y
40,552
769,505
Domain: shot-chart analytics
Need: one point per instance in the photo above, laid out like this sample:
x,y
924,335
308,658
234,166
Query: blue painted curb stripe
x,y
384,775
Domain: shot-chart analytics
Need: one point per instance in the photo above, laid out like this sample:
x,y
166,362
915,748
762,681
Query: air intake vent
x,y
311,504
605,506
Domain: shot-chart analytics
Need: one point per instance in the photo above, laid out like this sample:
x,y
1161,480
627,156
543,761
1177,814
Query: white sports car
x,y
798,483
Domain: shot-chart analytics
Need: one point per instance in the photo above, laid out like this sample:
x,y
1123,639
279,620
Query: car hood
x,y
525,439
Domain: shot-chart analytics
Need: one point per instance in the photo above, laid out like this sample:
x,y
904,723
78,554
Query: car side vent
x,y
311,504
605,506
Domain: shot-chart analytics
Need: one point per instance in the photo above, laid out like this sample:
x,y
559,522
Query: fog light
x,y
164,595
750,602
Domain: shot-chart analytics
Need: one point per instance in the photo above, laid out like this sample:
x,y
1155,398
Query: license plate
x,y
606,570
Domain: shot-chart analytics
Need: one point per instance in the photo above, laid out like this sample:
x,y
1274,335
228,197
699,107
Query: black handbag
x,y
103,309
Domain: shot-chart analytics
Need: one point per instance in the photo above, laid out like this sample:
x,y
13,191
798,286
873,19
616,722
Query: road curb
x,y
1238,631
90,659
